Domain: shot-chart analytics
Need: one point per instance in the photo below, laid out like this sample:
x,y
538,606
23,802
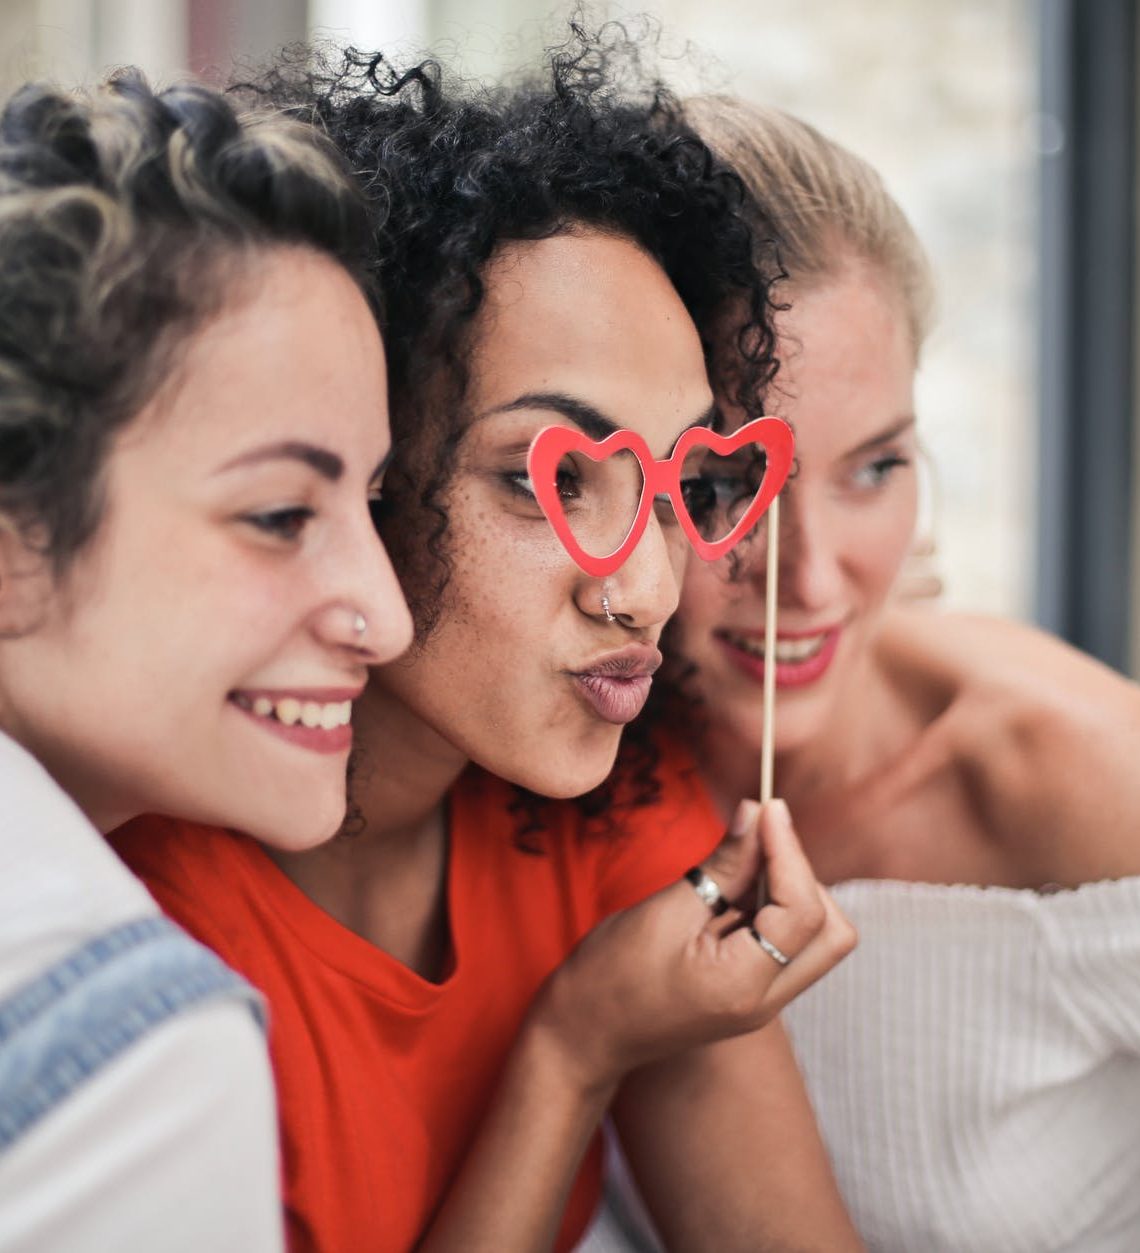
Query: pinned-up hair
x,y
823,202
126,218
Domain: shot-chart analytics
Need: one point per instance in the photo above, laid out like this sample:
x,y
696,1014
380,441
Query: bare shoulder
x,y
1045,739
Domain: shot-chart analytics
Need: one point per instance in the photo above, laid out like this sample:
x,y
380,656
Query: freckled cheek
x,y
882,546
512,580
680,558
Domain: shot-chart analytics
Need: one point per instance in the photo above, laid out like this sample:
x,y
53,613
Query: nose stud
x,y
359,624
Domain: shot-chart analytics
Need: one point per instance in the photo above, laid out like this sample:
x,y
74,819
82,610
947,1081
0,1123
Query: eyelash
x,y
879,470
285,524
518,481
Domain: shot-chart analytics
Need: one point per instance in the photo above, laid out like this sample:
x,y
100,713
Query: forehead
x,y
292,354
591,316
846,356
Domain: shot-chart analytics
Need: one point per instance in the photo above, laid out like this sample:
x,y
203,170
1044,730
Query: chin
x,y
561,775
297,828
793,734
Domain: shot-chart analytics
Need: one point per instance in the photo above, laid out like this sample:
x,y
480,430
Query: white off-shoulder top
x,y
975,1067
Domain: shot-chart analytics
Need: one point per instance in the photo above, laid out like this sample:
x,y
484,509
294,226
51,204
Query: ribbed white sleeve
x,y
975,1066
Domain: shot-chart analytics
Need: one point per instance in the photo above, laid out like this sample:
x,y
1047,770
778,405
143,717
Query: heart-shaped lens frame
x,y
660,478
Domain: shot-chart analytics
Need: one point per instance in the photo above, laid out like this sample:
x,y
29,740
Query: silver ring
x,y
360,624
606,608
781,959
707,888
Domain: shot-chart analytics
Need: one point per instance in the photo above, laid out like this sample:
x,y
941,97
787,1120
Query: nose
x,y
365,609
810,573
646,590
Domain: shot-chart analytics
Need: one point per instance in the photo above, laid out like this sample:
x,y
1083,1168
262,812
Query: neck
x,y
399,775
402,767
398,786
730,768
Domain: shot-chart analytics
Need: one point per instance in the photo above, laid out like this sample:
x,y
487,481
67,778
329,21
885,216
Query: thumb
x,y
737,859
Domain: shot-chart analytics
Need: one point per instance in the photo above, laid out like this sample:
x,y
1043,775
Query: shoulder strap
x,y
59,1030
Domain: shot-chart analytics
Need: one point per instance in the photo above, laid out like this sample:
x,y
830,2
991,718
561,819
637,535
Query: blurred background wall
x,y
1006,128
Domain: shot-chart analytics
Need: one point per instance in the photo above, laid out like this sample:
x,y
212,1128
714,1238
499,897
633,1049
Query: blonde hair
x,y
823,202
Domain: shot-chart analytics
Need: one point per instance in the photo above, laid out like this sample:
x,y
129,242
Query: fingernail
x,y
780,812
743,818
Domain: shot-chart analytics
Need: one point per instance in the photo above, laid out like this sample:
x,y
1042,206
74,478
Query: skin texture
x,y
591,317
846,380
936,747
494,682
594,320
221,565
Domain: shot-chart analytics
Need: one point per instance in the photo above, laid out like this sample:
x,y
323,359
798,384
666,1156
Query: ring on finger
x,y
780,958
707,888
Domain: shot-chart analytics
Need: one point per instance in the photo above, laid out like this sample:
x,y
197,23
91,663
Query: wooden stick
x,y
766,748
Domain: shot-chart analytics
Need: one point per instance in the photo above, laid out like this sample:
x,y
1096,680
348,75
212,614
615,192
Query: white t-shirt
x,y
172,1144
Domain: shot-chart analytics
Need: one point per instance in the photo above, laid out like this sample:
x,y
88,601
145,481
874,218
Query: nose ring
x,y
606,608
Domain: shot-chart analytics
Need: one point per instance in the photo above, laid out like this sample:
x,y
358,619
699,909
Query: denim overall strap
x,y
60,1029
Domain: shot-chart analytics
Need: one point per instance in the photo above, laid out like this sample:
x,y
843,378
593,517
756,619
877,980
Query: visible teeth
x,y
333,716
289,711
798,650
788,652
328,715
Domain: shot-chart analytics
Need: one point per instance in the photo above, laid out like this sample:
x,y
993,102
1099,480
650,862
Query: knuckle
x,y
845,938
811,916
743,1003
799,932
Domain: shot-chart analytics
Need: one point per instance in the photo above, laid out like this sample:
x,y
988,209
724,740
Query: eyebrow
x,y
892,432
586,416
327,464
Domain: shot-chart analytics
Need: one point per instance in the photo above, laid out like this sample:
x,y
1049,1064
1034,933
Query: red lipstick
x,y
789,674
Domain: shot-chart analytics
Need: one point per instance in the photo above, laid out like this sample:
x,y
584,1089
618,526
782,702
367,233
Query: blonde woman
x,y
967,786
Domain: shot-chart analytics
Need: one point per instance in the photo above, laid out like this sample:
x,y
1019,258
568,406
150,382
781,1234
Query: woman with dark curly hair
x,y
184,560
457,998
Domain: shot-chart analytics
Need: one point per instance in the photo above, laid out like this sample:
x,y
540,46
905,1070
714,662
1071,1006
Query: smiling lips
x,y
800,658
616,685
320,721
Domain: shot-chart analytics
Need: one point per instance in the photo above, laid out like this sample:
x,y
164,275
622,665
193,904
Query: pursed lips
x,y
633,661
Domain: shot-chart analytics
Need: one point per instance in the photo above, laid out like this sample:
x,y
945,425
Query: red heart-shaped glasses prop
x,y
660,478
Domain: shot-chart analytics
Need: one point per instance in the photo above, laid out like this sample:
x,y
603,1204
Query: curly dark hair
x,y
455,173
126,217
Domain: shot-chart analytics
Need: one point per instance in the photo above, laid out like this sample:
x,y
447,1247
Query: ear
x,y
26,582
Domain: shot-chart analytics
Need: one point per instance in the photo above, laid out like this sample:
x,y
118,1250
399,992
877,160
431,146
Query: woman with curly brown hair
x,y
185,559
470,978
